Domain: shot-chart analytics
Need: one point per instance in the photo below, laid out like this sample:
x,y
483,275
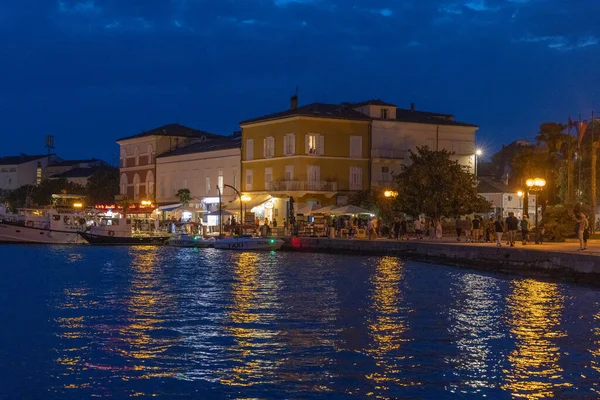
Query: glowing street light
x,y
536,185
478,152
77,205
390,194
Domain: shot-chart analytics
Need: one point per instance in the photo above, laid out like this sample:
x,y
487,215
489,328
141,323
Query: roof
x,y
318,110
425,117
22,159
490,185
373,102
213,144
68,163
79,172
173,130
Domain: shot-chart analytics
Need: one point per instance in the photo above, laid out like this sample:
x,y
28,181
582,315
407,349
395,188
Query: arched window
x,y
137,156
123,158
136,187
150,154
150,184
124,184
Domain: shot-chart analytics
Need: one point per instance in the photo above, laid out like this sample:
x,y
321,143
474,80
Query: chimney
x,y
412,106
294,102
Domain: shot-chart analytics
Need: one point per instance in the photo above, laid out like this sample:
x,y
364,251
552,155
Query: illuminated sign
x,y
211,200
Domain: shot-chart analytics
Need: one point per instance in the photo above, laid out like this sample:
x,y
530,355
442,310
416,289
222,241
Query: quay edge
x,y
571,267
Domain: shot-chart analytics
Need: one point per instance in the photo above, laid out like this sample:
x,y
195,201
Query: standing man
x,y
512,224
499,229
418,228
476,225
458,228
525,229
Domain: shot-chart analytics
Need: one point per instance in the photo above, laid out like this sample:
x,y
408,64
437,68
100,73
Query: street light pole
x,y
536,185
478,153
220,212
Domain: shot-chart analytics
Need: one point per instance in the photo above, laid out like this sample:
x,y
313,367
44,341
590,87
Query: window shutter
x,y
285,145
292,139
321,145
272,146
250,149
265,147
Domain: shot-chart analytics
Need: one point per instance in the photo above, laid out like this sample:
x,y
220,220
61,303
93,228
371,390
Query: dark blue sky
x,y
90,71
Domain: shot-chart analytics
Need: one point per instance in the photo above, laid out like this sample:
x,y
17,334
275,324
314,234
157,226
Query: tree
x,y
437,186
560,146
184,196
103,186
375,201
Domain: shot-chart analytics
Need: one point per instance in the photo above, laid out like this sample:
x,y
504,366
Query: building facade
x,y
16,171
137,160
200,168
76,171
318,154
395,132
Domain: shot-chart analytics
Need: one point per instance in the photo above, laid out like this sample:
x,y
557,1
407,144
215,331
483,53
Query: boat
x,y
43,225
113,230
185,240
248,243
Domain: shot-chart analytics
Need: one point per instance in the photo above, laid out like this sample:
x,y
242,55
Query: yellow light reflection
x,y
252,357
595,351
387,327
535,311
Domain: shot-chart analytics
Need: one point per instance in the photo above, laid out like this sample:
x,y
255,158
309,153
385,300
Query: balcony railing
x,y
389,153
301,186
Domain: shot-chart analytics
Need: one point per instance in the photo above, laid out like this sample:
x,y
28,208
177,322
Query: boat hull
x,y
10,233
200,243
249,244
123,241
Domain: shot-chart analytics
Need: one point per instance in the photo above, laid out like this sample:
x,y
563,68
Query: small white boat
x,y
185,240
248,243
46,225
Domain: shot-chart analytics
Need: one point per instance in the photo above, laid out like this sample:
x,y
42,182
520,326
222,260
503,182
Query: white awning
x,y
255,201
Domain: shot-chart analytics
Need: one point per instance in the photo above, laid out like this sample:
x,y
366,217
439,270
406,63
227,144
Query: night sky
x,y
90,72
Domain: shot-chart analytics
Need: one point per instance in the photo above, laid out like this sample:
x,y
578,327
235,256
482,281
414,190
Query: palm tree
x,y
560,143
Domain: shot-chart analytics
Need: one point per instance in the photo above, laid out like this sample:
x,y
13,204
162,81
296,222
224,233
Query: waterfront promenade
x,y
563,261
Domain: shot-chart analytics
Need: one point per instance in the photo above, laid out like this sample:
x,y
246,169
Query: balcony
x,y
301,186
392,153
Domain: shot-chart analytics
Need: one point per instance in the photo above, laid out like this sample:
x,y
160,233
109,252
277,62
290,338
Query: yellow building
x,y
318,154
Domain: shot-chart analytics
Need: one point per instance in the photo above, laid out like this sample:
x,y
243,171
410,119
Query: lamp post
x,y
478,153
220,212
536,185
245,199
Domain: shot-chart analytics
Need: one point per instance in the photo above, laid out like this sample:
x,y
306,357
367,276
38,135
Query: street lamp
x,y
390,194
536,185
478,153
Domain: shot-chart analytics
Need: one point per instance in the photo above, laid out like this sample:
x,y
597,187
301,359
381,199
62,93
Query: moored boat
x,y
119,231
248,243
45,226
185,240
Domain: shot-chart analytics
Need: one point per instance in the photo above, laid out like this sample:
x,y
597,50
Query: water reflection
x,y
474,324
255,345
595,350
387,327
534,316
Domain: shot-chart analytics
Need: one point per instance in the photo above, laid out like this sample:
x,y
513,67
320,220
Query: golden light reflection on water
x,y
387,327
474,324
253,352
534,314
595,350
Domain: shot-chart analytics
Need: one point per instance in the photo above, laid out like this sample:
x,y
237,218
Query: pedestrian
x,y
417,225
476,229
581,226
438,229
468,225
499,229
525,229
370,229
458,228
512,224
396,228
403,229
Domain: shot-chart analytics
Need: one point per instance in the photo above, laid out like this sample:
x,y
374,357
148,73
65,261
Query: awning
x,y
225,213
350,210
169,207
255,201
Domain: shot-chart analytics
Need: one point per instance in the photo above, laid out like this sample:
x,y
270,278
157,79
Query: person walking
x,y
396,228
438,229
468,230
499,229
458,228
525,229
475,232
512,224
417,225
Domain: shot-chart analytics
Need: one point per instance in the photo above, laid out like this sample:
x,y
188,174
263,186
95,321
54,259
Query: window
x,y
123,184
355,178
136,187
250,149
269,147
314,173
289,144
207,185
356,146
123,158
268,178
314,144
220,180
384,113
137,156
150,184
385,174
249,179
38,173
184,184
289,172
150,154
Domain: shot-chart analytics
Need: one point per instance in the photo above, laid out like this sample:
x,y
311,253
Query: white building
x,y
504,198
75,171
200,167
395,131
16,171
